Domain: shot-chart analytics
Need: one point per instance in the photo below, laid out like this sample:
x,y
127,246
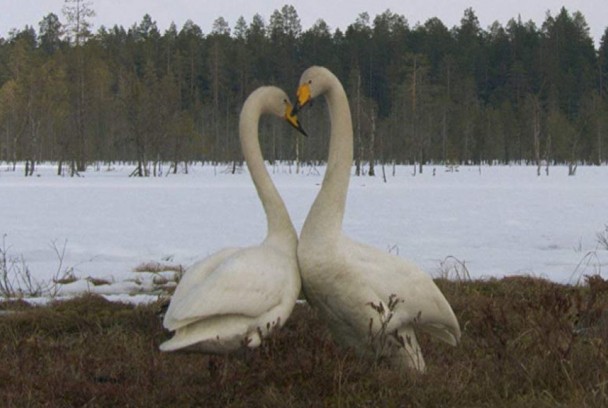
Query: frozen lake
x,y
498,220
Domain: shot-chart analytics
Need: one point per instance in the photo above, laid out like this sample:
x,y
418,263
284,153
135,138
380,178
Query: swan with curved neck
x,y
236,296
352,284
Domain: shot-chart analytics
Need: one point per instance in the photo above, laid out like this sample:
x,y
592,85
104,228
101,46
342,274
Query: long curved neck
x,y
279,222
327,211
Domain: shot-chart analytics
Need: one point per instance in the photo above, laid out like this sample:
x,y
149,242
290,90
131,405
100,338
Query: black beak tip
x,y
300,129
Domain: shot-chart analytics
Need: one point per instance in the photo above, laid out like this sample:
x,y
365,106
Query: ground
x,y
526,342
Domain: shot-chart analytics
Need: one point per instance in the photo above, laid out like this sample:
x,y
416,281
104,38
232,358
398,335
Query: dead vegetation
x,y
157,267
526,342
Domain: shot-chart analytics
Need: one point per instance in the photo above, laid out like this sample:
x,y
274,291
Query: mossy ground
x,y
526,343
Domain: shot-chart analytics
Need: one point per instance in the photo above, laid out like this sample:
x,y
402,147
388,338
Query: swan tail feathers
x,y
447,334
212,336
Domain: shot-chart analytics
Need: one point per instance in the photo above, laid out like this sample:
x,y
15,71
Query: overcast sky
x,y
337,14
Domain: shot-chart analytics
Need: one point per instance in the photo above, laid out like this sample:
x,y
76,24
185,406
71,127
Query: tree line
x,y
421,94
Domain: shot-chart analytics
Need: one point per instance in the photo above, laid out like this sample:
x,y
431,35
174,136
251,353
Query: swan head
x,y
313,82
274,101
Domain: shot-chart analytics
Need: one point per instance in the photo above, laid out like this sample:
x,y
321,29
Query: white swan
x,y
342,278
238,295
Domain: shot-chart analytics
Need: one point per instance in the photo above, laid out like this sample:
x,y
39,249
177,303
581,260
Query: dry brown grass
x,y
526,343
157,267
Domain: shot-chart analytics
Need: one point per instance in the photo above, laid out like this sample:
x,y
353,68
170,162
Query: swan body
x,y
237,296
352,285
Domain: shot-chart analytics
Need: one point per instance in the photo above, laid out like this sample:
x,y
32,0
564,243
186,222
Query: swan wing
x,y
198,271
248,283
195,274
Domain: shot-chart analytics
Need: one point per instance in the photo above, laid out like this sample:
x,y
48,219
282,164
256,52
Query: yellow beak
x,y
303,96
292,118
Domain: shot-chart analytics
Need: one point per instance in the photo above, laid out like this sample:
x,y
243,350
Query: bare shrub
x,y
590,261
454,269
602,238
381,340
16,279
6,271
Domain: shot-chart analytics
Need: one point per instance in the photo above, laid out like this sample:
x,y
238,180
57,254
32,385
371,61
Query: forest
x,y
419,94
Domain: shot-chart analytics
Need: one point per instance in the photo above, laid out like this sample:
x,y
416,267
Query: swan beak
x,y
292,119
303,96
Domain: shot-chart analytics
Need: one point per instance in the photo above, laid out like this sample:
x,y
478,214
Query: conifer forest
x,y
419,94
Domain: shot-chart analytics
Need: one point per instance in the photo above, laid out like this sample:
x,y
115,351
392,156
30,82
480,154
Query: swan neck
x,y
327,212
341,137
279,222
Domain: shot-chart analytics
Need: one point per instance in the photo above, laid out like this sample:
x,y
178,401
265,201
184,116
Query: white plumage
x,y
237,296
343,279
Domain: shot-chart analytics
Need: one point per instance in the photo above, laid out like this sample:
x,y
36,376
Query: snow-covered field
x,y
497,220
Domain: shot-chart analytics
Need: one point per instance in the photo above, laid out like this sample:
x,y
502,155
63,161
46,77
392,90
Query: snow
x,y
497,220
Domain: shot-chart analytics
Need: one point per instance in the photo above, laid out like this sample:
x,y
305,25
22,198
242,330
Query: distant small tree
x,y
533,105
78,13
51,31
364,117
